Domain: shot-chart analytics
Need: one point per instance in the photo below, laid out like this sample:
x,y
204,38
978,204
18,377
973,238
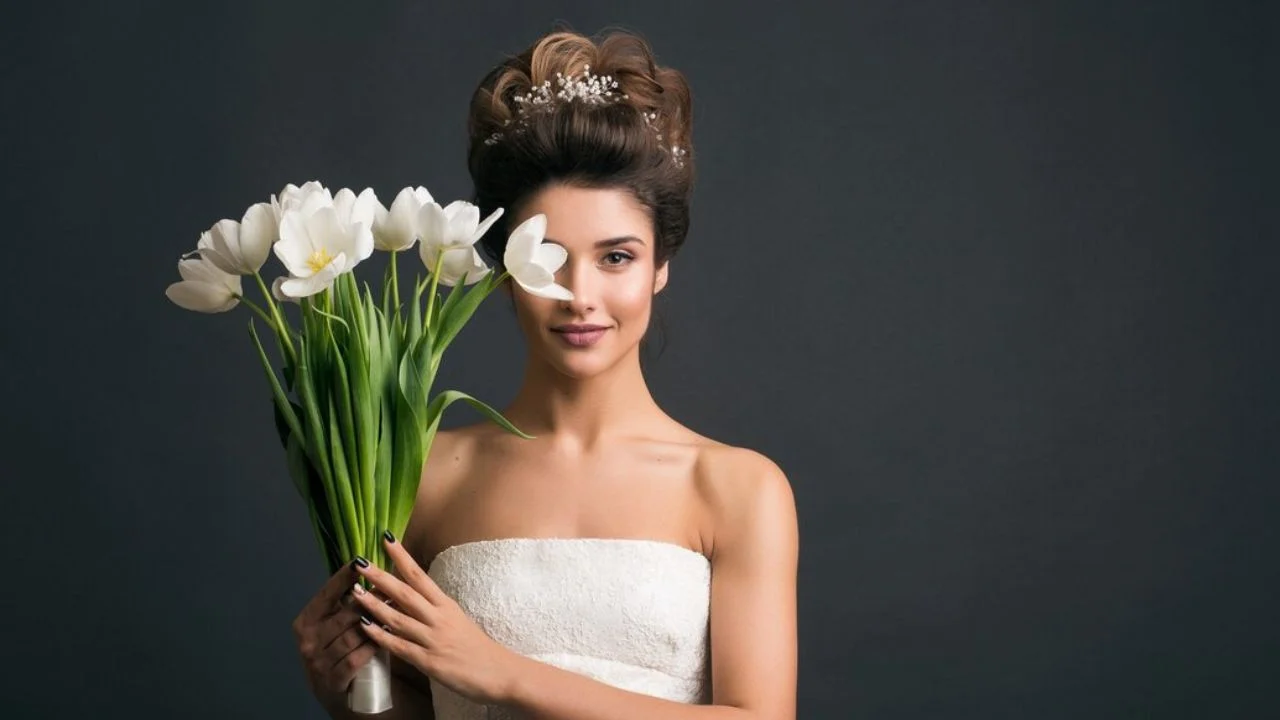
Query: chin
x,y
579,365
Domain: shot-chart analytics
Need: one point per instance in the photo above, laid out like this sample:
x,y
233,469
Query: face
x,y
610,271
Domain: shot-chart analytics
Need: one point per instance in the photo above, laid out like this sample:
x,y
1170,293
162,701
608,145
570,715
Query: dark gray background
x,y
988,280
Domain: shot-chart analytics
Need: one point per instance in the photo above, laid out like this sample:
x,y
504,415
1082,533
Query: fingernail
x,y
361,562
389,537
358,589
365,619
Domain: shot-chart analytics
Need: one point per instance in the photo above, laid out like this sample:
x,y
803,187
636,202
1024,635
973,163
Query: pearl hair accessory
x,y
591,89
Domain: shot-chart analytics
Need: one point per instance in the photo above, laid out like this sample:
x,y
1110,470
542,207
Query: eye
x,y
623,258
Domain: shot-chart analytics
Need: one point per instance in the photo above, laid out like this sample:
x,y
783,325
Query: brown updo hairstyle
x,y
611,145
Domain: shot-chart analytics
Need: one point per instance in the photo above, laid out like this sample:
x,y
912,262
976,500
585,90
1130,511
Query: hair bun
x,y
623,60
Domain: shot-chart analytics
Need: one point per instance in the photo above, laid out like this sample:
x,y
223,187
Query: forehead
x,y
585,215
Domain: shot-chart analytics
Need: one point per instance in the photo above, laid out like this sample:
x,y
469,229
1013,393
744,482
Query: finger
x,y
328,629
404,649
411,571
344,671
327,599
400,623
345,642
399,592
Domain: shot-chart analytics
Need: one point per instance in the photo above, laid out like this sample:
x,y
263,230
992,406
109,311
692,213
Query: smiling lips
x,y
580,335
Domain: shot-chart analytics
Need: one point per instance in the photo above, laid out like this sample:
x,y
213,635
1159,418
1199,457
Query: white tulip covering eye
x,y
533,263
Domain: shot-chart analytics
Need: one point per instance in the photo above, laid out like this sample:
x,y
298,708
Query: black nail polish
x,y
387,534
361,562
365,619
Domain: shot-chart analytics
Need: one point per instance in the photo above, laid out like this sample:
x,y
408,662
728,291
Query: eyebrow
x,y
611,242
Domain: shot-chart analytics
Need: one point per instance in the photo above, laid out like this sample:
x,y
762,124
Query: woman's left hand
x,y
428,630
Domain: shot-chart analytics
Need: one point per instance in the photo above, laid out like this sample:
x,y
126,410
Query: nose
x,y
579,279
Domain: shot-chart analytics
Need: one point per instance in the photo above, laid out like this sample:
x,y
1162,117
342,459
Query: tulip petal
x,y
258,231
532,275
457,263
457,206
398,229
361,243
484,226
206,272
432,222
308,204
523,242
295,246
314,284
364,207
550,256
328,233
277,293
226,243
479,268
201,296
462,224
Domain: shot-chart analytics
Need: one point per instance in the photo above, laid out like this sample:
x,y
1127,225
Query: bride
x,y
619,565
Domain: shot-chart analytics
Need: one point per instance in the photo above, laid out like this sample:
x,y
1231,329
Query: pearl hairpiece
x,y
588,88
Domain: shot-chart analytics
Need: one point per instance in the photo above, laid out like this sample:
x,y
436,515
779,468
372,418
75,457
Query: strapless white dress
x,y
630,613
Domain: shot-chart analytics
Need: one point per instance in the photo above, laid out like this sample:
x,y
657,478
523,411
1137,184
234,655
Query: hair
x,y
625,144
610,145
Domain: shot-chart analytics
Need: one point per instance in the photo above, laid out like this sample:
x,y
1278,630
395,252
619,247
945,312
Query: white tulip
x,y
533,263
452,231
307,199
204,287
353,209
277,293
396,229
317,248
240,248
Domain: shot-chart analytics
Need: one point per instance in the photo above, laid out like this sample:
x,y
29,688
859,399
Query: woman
x,y
619,565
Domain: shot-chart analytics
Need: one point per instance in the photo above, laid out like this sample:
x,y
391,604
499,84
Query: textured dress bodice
x,y
630,613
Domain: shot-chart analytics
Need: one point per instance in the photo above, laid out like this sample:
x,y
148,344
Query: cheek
x,y
632,299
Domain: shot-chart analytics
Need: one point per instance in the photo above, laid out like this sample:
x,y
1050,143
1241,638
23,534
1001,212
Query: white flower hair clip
x,y
588,88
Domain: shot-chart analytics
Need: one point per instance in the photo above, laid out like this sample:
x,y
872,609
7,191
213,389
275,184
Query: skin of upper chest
x,y
480,483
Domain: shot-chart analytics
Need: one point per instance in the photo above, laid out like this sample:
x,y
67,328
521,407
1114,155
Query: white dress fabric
x,y
630,613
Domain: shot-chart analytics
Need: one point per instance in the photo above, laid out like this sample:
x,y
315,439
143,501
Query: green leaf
x,y
282,424
415,316
346,435
281,401
352,530
461,312
407,460
316,447
382,477
448,397
304,474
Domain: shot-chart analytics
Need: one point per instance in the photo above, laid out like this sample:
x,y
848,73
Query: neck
x,y
581,412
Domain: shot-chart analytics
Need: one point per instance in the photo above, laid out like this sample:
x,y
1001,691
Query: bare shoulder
x,y
445,465
744,492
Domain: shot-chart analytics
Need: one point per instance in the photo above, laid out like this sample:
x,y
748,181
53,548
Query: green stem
x,y
395,285
435,279
282,328
270,321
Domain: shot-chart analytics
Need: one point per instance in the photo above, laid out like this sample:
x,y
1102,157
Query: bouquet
x,y
355,412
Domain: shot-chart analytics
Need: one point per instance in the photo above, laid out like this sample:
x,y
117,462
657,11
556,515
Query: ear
x,y
660,280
